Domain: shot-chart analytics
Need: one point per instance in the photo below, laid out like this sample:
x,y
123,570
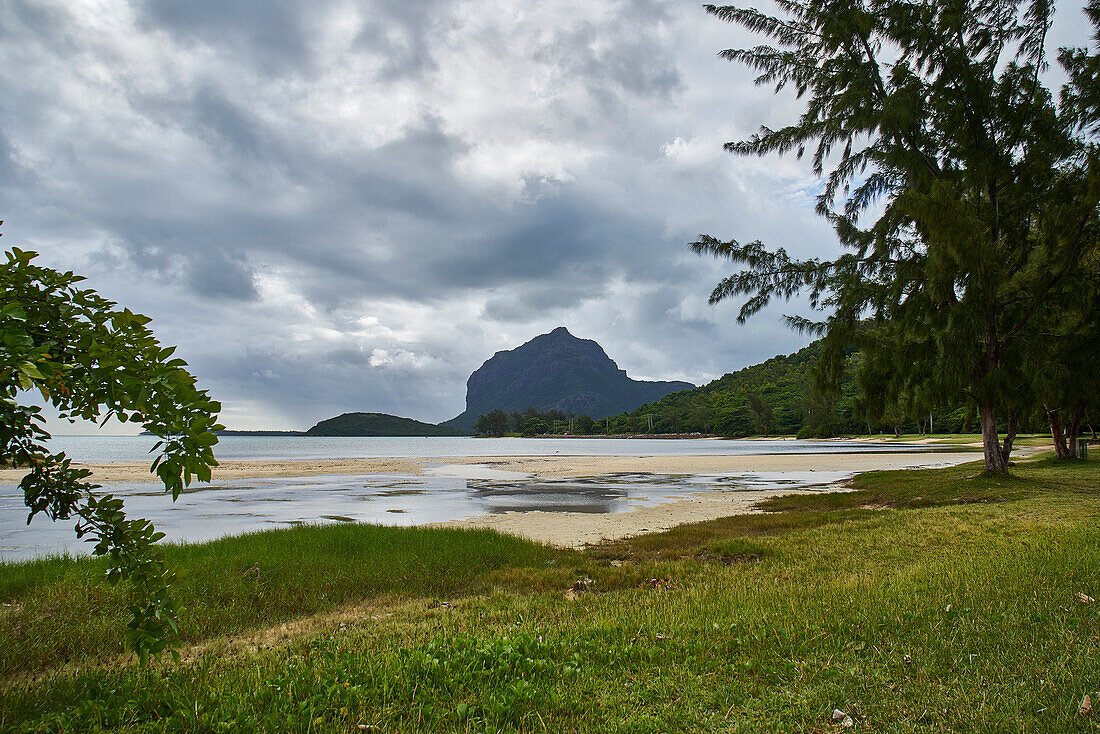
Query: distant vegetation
x,y
778,397
379,424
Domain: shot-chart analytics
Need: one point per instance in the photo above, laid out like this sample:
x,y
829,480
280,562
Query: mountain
x,y
556,371
379,424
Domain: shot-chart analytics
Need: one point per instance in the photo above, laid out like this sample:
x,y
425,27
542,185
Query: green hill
x,y
773,397
779,397
379,424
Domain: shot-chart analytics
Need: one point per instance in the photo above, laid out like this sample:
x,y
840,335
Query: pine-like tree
x,y
934,116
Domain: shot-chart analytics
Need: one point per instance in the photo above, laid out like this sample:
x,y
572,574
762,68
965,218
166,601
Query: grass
x,y
1023,440
933,600
61,611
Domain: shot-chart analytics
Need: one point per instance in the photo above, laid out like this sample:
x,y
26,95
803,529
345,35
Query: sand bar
x,y
577,529
545,466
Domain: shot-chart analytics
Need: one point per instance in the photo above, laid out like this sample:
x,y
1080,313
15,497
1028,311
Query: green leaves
x,y
93,361
933,116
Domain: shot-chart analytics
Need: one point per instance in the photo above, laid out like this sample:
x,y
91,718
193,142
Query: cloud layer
x,y
337,206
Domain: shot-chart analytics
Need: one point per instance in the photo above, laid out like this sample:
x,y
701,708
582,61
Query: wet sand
x,y
578,529
550,467
573,529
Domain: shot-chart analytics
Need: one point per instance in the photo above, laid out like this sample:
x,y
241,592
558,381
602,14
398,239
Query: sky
x,y
336,206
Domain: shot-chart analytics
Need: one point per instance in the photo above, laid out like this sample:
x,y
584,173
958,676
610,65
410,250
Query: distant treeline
x,y
779,397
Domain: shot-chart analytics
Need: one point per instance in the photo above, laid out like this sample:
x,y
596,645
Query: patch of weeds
x,y
734,550
691,540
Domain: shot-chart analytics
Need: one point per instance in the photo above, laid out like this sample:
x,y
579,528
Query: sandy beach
x,y
577,529
574,529
549,467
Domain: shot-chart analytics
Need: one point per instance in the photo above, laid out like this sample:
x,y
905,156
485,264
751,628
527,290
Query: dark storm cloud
x,y
633,64
413,175
12,174
222,275
401,33
48,24
273,34
225,125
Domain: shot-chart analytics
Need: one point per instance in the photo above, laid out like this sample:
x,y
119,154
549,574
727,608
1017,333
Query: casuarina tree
x,y
65,345
963,193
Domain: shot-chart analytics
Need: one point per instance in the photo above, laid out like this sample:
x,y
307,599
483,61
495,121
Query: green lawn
x,y
924,601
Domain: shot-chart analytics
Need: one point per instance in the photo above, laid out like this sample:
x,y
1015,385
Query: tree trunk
x,y
1010,437
1073,430
1065,434
1057,434
996,461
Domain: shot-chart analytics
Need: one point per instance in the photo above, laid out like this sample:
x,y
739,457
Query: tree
x,y
1063,358
762,416
493,423
735,423
534,426
92,361
932,115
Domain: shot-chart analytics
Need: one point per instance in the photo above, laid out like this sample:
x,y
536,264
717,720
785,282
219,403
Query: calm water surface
x,y
136,448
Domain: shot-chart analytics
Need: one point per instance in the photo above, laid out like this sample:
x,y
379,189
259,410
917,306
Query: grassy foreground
x,y
930,601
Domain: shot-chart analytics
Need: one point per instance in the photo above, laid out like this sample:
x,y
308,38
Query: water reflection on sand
x,y
449,492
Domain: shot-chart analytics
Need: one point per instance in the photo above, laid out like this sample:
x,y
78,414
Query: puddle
x,y
474,471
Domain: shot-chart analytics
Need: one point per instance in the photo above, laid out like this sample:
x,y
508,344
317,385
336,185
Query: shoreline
x,y
581,529
554,466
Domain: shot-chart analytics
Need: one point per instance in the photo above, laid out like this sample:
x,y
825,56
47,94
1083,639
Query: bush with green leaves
x,y
76,351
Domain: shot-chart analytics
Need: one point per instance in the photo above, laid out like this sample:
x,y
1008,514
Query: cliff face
x,y
557,370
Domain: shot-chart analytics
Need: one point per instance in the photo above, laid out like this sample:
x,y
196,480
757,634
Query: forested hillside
x,y
776,397
779,397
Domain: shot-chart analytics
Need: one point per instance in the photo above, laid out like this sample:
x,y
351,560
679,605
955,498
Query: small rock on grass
x,y
842,718
1086,706
579,587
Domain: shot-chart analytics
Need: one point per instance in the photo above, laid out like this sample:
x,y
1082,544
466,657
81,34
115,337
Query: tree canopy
x,y
67,346
933,118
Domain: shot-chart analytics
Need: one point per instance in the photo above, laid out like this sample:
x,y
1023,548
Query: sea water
x,y
112,449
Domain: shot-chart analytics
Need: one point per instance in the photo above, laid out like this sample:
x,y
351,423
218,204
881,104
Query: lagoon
x,y
113,449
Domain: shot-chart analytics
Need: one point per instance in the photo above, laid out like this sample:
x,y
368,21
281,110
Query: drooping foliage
x,y
933,116
67,346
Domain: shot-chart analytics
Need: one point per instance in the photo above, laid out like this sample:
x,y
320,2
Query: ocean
x,y
113,449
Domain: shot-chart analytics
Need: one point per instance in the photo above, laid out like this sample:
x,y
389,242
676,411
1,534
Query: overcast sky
x,y
335,206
